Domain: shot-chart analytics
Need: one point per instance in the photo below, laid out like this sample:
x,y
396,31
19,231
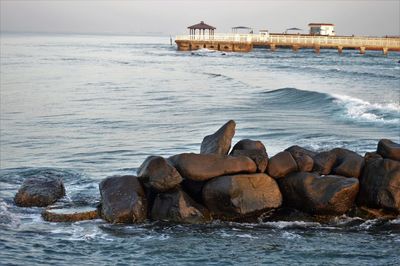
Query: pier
x,y
246,42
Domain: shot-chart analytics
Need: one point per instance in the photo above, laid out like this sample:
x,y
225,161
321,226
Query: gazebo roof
x,y
241,27
201,26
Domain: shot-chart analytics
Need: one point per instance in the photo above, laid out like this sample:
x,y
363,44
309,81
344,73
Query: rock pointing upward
x,y
220,141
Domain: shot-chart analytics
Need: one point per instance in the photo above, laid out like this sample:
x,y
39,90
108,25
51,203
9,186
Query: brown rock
x,y
380,185
201,167
389,149
70,213
324,195
123,200
177,206
39,191
238,196
159,174
281,164
303,158
194,189
348,163
324,162
255,150
220,141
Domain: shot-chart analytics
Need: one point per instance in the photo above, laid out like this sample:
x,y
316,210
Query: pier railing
x,y
301,40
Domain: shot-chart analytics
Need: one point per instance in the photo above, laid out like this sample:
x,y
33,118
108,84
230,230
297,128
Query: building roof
x,y
201,26
321,24
241,27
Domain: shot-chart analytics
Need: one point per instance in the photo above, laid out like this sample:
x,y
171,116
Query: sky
x,y
373,17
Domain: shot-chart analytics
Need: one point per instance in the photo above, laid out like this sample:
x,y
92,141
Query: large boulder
x,y
253,149
123,200
380,184
389,149
348,163
324,162
281,164
330,195
159,174
39,191
303,158
201,167
238,196
177,206
219,142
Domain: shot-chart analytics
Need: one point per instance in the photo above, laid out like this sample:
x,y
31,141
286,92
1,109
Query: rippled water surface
x,y
86,107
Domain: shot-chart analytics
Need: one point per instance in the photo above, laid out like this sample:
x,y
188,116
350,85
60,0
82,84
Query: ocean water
x,y
85,107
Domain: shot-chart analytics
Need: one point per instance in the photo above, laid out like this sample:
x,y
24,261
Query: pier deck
x,y
246,42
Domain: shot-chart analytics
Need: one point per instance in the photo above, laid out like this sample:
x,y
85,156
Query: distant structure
x,y
240,28
201,27
325,29
321,36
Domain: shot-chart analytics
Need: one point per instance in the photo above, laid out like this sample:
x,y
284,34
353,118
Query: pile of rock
x,y
243,184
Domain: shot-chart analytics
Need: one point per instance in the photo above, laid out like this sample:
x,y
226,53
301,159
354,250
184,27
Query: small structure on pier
x,y
325,29
201,27
237,29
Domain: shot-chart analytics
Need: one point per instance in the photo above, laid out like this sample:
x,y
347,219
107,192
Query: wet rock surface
x,y
331,195
201,167
281,164
177,206
159,174
39,191
389,149
70,213
380,184
236,196
255,150
220,142
123,200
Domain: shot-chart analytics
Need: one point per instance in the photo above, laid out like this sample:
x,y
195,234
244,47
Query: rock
x,y
389,149
238,196
369,213
194,189
123,199
248,144
303,158
177,206
220,141
371,156
322,195
159,174
380,185
39,191
324,162
201,167
70,213
255,150
348,163
281,164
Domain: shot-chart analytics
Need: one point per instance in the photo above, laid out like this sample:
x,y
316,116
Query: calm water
x,y
86,107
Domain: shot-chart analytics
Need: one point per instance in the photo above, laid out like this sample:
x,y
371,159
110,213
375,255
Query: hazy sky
x,y
374,17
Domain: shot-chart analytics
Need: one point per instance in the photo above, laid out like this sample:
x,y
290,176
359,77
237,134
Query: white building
x,y
326,29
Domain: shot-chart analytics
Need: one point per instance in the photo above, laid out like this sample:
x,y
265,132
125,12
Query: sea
x,y
85,107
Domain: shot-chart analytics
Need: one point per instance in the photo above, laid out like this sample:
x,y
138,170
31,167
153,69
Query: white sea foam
x,y
366,111
290,235
293,224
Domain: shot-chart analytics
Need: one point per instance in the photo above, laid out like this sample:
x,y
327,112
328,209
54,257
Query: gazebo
x,y
238,28
201,26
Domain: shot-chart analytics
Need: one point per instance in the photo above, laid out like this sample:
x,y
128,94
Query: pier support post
x,y
385,50
295,48
272,46
362,50
340,49
317,49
